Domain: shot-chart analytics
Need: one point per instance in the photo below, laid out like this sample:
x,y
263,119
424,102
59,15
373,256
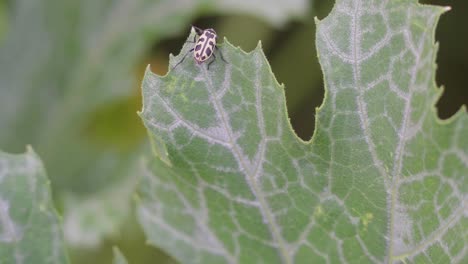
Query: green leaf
x,y
382,180
396,167
30,229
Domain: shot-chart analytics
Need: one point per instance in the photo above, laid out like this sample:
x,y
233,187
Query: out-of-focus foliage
x,y
68,87
118,257
30,230
3,19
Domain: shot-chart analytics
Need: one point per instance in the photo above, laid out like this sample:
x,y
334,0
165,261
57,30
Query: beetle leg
x,y
183,58
214,58
220,54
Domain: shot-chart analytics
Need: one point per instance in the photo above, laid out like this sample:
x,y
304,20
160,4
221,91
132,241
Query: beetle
x,y
204,46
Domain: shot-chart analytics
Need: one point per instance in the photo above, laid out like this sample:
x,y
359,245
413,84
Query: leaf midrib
x,y
362,109
391,181
250,174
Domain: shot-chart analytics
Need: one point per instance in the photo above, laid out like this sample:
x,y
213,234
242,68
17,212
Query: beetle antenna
x,y
183,58
198,30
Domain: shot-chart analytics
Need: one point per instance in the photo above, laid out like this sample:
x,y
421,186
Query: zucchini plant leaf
x,y
383,180
30,229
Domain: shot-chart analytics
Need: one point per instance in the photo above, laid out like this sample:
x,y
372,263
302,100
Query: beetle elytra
x,y
205,45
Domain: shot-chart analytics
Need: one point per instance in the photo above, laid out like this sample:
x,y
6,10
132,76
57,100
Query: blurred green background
x,y
70,73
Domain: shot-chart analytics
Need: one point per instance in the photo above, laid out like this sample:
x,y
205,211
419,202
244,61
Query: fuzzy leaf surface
x,y
383,180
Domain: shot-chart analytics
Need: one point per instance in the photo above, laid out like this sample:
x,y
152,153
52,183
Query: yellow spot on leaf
x,y
366,220
184,97
318,211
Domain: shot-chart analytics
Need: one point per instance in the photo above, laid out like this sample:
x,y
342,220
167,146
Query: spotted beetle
x,y
204,46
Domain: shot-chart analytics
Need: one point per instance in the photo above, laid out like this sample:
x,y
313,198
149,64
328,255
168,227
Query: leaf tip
x,y
147,70
316,20
119,258
463,109
30,150
32,156
146,76
259,45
